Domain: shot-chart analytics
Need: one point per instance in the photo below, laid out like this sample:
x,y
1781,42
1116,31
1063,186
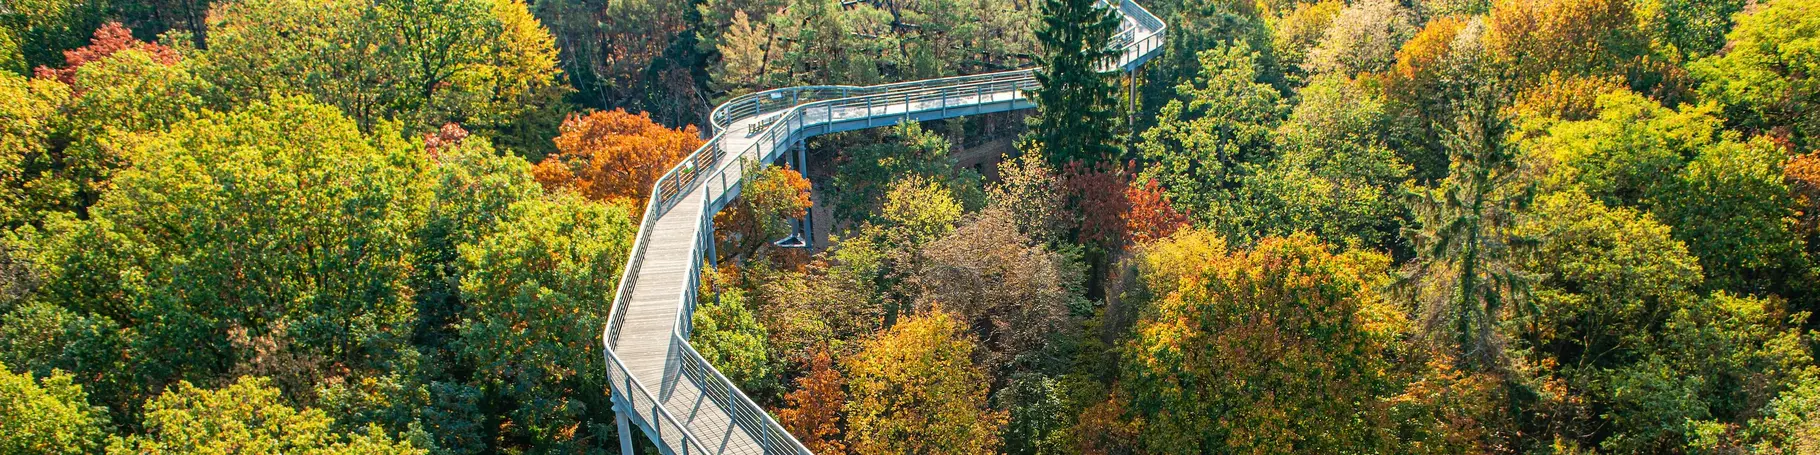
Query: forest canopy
x,y
1334,226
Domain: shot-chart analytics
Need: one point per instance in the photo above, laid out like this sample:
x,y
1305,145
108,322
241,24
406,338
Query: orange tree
x,y
614,156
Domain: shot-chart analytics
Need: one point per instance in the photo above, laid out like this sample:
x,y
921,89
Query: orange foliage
x,y
614,156
450,136
1425,52
814,407
109,39
1803,176
1150,215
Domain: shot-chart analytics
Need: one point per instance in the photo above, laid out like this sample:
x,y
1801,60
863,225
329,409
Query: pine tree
x,y
1077,118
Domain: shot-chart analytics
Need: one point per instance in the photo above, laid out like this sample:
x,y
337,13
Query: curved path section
x,y
658,382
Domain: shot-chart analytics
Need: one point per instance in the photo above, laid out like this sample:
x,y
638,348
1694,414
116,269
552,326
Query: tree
x,y
1077,112
744,52
1529,39
614,156
49,415
245,417
813,411
1283,345
918,210
1152,215
1765,77
770,198
728,336
527,286
271,240
1732,207
43,29
865,173
1221,119
1298,31
914,389
1333,175
30,109
110,38
1462,278
1015,293
1363,38
487,64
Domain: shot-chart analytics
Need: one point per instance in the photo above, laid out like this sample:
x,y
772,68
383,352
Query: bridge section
x,y
658,382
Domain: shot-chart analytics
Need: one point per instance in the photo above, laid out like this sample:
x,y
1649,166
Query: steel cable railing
x,y
784,116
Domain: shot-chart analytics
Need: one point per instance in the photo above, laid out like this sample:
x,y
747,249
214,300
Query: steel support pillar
x,y
625,428
807,224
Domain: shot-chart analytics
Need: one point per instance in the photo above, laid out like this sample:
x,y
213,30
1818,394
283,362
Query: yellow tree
x,y
1282,346
915,390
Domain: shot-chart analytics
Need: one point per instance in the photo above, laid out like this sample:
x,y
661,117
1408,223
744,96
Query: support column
x,y
807,224
625,428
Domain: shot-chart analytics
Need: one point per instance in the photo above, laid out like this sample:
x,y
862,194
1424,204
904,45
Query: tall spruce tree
x,y
1077,118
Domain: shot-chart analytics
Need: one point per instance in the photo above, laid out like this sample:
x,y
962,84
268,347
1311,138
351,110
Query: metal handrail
x,y
709,162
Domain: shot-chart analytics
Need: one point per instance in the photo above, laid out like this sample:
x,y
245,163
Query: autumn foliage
x,y
109,39
1150,216
614,156
814,408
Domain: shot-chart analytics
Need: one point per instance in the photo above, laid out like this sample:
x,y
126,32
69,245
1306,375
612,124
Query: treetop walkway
x,y
658,381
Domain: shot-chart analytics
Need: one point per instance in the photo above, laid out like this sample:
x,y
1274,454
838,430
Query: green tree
x,y
43,29
1333,175
248,416
1732,207
1765,77
1283,345
271,240
48,416
729,336
907,150
1462,278
1220,120
487,64
915,390
1077,109
528,285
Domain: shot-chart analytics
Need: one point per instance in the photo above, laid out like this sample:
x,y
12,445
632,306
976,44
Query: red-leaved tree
x,y
109,39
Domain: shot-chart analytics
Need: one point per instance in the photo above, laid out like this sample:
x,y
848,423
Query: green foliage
x,y
486,64
10,58
1765,77
1733,209
1621,156
267,239
1462,277
245,417
1077,109
1222,119
48,416
728,336
1332,176
918,210
527,285
907,151
1283,345
43,29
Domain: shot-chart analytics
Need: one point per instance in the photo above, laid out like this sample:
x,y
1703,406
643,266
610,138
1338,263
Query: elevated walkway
x,y
658,382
